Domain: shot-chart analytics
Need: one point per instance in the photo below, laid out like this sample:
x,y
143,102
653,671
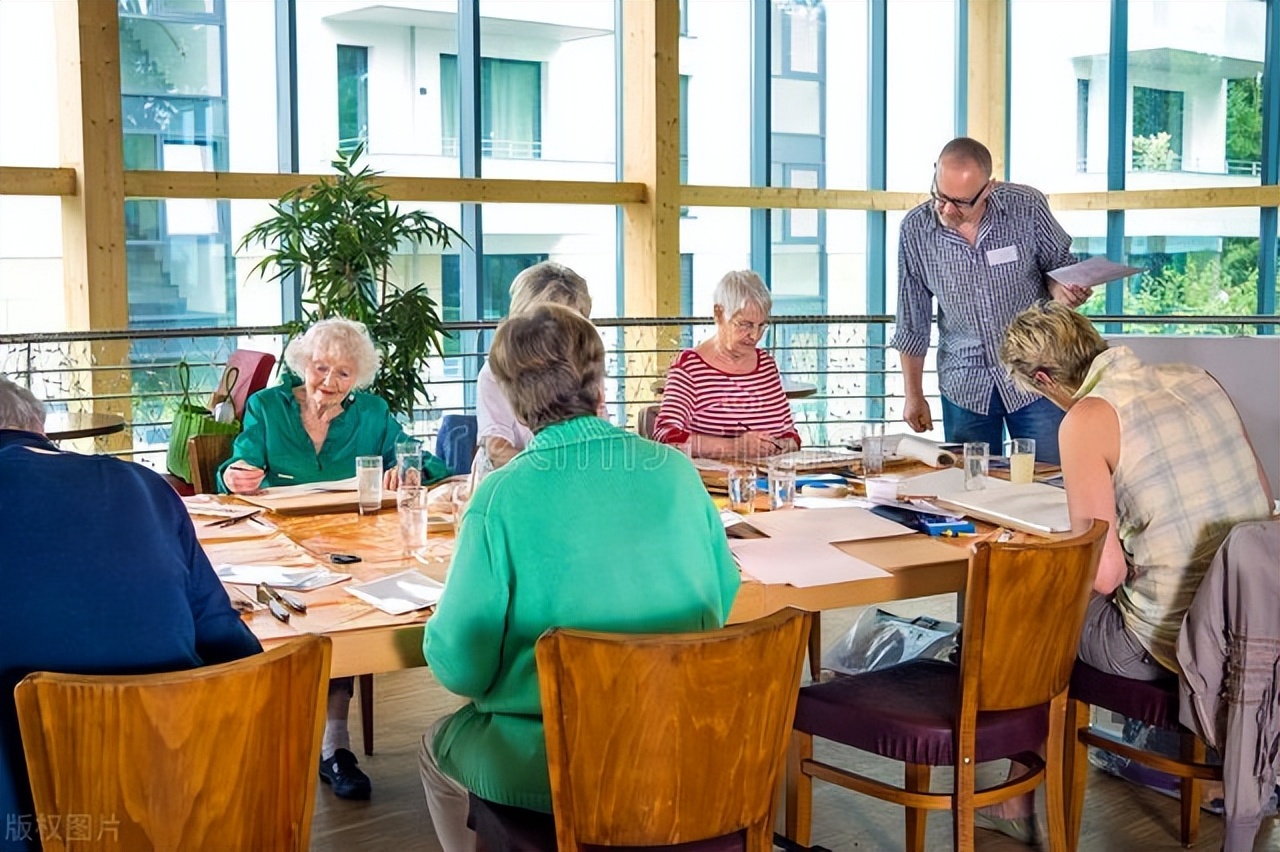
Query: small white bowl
x,y
882,488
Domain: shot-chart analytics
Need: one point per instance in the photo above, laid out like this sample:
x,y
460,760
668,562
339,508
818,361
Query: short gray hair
x,y
549,282
19,408
339,336
740,288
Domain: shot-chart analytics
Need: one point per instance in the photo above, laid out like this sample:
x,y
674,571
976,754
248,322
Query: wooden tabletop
x,y
367,640
65,425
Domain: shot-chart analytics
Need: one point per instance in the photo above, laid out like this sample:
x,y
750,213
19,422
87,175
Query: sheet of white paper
x,y
730,518
400,593
816,501
846,524
348,484
1092,272
800,563
1036,506
283,578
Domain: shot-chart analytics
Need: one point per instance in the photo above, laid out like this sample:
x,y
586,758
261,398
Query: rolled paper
x,y
911,447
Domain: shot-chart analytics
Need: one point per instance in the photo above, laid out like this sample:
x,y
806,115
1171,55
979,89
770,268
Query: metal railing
x,y
856,377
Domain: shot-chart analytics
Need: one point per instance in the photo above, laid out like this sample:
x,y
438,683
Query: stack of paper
x,y
800,550
1033,508
400,593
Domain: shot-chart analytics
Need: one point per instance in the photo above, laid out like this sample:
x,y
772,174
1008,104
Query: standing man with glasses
x,y
983,250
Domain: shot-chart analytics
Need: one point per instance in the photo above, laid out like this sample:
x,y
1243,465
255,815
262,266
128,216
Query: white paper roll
x,y
911,447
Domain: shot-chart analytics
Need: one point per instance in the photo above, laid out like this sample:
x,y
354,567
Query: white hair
x,y
336,336
740,288
19,408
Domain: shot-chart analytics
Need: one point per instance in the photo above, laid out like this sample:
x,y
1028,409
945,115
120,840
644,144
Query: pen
x,y
954,534
283,476
226,522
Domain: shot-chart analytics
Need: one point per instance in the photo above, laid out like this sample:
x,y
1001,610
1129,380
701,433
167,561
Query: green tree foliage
x,y
341,235
1244,120
1209,284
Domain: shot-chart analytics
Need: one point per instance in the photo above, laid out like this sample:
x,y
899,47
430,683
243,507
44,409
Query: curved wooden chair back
x,y
1009,660
206,453
220,757
662,739
647,420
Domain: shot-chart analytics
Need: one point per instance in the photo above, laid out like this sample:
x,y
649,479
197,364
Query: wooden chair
x,y
1024,610
646,420
1152,702
221,757
206,453
656,740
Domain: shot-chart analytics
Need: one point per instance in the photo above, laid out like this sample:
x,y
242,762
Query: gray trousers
x,y
1107,645
446,798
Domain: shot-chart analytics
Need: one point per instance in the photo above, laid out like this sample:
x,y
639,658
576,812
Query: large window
x,y
353,96
510,107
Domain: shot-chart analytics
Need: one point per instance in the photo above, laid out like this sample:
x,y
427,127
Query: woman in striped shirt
x,y
724,397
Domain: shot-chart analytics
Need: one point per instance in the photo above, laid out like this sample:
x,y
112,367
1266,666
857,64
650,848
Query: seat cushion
x,y
501,828
909,713
1152,701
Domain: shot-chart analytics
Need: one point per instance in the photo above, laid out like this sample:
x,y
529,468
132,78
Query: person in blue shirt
x,y
102,575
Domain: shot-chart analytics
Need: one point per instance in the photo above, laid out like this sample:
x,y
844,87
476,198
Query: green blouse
x,y
588,527
273,439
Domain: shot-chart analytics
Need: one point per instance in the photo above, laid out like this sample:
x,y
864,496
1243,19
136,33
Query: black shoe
x,y
342,773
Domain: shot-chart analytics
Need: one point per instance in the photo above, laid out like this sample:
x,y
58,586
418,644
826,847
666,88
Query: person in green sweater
x,y
588,527
310,428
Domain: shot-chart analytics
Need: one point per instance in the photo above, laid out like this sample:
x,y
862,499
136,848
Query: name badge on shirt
x,y
1008,254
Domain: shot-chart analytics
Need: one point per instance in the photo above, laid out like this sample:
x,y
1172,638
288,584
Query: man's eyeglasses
x,y
753,327
960,203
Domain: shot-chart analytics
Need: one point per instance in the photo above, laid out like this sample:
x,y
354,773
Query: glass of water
x,y
976,459
782,487
412,507
369,483
409,462
742,490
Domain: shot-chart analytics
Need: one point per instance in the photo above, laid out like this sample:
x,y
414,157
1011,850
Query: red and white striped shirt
x,y
700,399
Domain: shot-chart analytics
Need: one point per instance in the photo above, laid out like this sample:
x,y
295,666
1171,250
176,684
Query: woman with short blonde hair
x,y
1054,339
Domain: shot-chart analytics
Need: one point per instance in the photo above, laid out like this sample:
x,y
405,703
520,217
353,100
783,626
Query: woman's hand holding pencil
x,y
242,477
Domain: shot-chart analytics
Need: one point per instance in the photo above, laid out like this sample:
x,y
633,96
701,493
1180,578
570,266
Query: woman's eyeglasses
x,y
753,327
960,203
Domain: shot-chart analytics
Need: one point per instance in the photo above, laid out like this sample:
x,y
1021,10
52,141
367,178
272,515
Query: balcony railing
x,y
134,372
499,149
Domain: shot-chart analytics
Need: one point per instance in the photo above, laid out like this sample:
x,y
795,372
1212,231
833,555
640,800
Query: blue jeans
x,y
1038,420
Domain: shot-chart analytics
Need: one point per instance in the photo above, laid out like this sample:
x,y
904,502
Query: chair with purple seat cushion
x,y
660,741
1152,702
1024,610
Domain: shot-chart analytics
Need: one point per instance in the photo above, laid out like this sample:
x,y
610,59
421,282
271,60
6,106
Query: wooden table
x,y
366,640
65,425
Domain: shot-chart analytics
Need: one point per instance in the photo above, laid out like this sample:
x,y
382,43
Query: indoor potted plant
x,y
340,235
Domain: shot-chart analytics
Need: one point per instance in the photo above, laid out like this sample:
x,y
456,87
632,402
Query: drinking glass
x,y
872,455
976,459
782,487
369,483
742,490
412,506
409,462
1022,460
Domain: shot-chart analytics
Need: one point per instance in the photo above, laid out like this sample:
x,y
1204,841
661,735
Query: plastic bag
x,y
879,639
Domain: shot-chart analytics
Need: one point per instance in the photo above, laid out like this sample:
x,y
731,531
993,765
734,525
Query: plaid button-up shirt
x,y
979,288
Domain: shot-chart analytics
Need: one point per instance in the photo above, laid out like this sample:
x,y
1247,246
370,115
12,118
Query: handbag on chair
x,y
191,420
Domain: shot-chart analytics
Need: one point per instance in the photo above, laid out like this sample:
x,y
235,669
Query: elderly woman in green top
x,y
588,527
310,428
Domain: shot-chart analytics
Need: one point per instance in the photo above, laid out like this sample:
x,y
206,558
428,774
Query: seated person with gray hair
x,y
724,397
590,527
310,428
102,575
499,433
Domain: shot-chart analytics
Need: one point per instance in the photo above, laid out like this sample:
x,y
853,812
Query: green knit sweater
x,y
589,527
